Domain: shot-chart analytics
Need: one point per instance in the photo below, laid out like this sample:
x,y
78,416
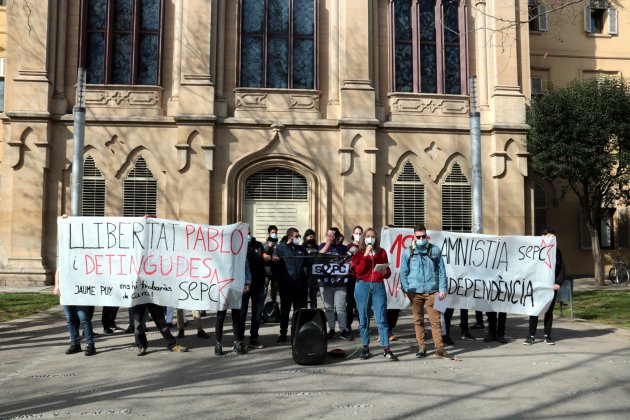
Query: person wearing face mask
x,y
548,320
271,282
352,247
256,292
370,289
422,277
334,295
291,278
312,248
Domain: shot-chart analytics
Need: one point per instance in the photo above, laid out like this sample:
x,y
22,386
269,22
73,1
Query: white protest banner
x,y
513,274
123,261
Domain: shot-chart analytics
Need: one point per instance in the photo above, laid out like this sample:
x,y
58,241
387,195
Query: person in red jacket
x,y
370,290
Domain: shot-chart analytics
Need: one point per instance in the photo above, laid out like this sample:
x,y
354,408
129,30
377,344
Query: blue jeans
x,y
368,294
75,316
257,295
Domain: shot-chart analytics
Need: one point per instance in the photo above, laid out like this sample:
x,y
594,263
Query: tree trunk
x,y
597,258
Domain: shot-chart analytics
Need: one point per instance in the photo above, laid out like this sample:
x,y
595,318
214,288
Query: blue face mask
x,y
249,238
421,242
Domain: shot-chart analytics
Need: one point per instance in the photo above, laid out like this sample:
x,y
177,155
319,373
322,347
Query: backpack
x,y
271,312
435,261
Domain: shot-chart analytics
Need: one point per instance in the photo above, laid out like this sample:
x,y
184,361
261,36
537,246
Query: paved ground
x,y
586,375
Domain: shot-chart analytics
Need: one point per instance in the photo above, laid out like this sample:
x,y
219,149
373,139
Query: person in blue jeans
x,y
77,316
369,290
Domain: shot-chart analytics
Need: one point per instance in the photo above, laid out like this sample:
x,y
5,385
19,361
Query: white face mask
x,y
297,241
421,242
274,236
357,237
369,241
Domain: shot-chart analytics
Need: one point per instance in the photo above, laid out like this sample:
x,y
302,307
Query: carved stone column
x,y
357,87
196,85
26,145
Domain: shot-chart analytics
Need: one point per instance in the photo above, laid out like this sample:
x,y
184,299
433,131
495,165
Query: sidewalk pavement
x,y
586,375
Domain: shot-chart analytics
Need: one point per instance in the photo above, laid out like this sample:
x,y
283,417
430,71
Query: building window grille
x,y
456,201
409,198
140,190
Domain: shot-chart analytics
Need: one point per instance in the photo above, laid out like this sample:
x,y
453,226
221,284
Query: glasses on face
x,y
421,236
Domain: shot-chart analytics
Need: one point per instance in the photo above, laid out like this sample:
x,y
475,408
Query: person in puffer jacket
x,y
422,276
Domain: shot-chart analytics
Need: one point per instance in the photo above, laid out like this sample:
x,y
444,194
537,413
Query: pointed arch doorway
x,y
276,196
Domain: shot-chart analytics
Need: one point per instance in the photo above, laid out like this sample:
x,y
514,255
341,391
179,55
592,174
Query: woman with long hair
x,y
370,291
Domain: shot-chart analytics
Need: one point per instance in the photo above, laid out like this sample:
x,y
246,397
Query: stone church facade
x,y
305,113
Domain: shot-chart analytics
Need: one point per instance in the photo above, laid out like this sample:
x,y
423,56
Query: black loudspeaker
x,y
309,340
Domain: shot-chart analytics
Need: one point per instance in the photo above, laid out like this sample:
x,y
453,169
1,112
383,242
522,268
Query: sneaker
x,y
345,335
331,334
202,334
90,350
239,348
529,341
389,355
501,339
255,344
468,337
282,339
447,340
441,353
490,337
108,331
74,348
142,351
218,349
549,340
365,353
421,354
178,349
129,329
117,328
478,327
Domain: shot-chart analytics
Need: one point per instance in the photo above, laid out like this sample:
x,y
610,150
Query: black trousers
x,y
140,329
533,320
108,317
236,323
495,328
478,317
463,320
392,319
350,303
290,297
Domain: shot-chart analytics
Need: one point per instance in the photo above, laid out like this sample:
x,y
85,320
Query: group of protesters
x,y
284,267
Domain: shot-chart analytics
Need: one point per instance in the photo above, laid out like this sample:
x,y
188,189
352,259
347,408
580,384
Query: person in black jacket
x,y
291,274
560,276
256,292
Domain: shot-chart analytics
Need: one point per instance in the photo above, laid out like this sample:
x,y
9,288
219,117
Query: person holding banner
x,y
422,276
372,267
140,329
560,272
496,327
75,316
333,288
292,278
